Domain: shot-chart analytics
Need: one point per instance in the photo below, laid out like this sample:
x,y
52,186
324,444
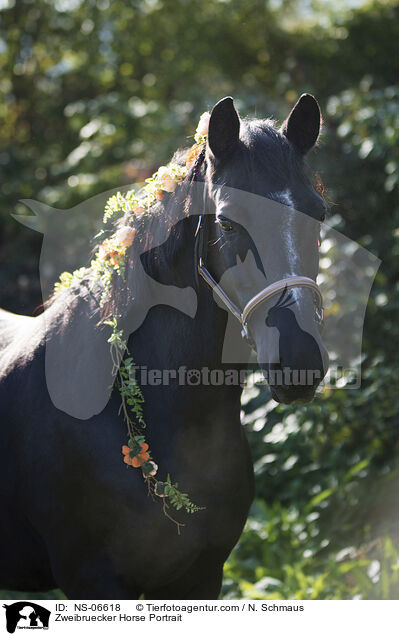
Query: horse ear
x,y
302,126
224,128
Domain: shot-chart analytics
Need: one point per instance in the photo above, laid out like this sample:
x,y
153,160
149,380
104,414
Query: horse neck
x,y
180,415
169,339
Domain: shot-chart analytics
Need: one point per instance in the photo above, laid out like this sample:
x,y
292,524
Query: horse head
x,y
262,200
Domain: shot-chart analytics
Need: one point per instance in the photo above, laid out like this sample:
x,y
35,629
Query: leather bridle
x,y
275,288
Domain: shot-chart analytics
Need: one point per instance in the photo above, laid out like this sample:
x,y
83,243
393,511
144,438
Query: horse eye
x,y
225,225
323,218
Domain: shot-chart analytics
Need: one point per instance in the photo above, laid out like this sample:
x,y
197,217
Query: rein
x,y
275,288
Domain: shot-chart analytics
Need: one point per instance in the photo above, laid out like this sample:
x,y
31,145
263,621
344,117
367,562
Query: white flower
x,y
166,180
150,472
203,124
125,236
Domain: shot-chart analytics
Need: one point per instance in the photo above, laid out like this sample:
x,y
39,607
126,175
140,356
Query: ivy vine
x,y
109,262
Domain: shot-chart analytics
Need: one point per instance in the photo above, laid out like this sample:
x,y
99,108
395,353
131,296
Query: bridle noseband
x,y
265,294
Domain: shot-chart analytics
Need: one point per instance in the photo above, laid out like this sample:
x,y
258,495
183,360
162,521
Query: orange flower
x,y
139,210
192,155
104,250
125,236
166,179
108,251
138,460
115,256
159,195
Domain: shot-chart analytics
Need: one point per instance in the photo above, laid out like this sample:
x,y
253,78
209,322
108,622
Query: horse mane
x,y
161,217
257,137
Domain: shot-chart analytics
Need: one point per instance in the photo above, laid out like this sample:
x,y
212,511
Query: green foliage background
x,y
96,94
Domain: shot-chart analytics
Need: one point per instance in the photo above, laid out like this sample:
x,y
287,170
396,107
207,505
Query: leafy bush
x,y
325,524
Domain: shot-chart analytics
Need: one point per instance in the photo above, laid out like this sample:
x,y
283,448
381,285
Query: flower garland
x,y
108,262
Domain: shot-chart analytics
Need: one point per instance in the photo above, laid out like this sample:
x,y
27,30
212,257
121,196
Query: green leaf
x,y
321,496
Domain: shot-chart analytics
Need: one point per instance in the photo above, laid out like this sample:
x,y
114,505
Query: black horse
x,y
73,516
